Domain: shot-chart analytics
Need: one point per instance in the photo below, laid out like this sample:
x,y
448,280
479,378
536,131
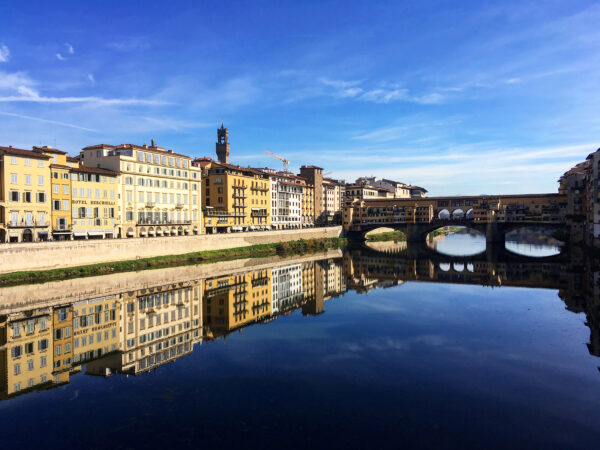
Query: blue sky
x,y
464,97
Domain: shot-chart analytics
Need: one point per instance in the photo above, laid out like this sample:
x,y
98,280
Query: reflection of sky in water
x,y
532,250
422,364
461,244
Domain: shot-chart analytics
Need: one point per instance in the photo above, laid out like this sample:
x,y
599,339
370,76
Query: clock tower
x,y
223,144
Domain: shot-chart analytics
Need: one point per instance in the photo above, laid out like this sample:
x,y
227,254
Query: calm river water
x,y
369,348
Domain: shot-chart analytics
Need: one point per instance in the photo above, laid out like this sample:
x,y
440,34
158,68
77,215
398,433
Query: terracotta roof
x,y
98,146
71,159
19,151
240,168
59,166
98,170
147,148
311,167
49,150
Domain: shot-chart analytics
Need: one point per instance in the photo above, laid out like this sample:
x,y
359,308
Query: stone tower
x,y
223,144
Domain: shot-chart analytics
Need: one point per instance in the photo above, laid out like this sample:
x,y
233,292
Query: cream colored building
x,y
160,190
160,324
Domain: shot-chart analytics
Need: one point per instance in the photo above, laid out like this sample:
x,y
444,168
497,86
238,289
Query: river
x,y
366,348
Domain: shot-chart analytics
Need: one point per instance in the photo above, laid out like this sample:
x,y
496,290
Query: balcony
x,y
237,194
179,205
146,222
240,205
150,204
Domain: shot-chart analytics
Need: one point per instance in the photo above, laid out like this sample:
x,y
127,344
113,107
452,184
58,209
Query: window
x,y
56,205
65,205
13,178
43,324
42,344
43,362
27,197
65,189
17,369
41,197
40,180
56,188
13,160
40,163
140,157
28,180
58,350
14,196
30,364
28,162
16,351
67,348
29,348
30,326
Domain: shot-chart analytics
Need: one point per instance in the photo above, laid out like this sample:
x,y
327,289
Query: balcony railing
x,y
239,195
179,205
150,204
163,222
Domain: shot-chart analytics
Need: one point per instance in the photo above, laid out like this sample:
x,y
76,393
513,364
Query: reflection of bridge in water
x,y
575,276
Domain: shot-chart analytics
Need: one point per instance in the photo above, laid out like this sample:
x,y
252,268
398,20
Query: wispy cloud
x,y
60,57
70,49
91,78
4,53
176,124
39,119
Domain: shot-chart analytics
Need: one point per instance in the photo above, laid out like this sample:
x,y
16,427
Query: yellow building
x,y
95,328
235,198
95,202
234,301
160,190
24,195
26,360
307,204
60,180
62,325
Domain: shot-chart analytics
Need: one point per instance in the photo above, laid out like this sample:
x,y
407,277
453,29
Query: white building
x,y
286,200
286,288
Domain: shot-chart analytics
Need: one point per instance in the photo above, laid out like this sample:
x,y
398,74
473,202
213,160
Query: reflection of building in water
x,y
62,324
234,301
286,288
26,352
95,328
334,279
160,324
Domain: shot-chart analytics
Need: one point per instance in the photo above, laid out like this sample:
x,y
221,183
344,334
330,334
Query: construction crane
x,y
283,160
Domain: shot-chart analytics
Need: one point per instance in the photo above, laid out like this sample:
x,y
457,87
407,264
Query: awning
x,y
96,232
151,232
42,233
79,233
167,231
13,233
130,233
143,233
159,231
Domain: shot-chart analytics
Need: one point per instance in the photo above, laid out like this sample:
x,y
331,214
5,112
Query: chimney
x,y
170,151
152,143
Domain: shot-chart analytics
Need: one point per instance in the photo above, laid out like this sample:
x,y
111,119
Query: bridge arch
x,y
458,267
445,266
444,214
458,214
469,214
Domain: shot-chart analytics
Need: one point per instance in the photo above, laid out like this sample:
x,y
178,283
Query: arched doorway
x,y
27,235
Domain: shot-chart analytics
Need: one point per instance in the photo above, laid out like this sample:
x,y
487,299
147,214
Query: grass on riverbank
x,y
387,236
260,250
445,231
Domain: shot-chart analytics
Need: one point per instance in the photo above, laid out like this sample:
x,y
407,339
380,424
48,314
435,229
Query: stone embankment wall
x,y
54,293
51,255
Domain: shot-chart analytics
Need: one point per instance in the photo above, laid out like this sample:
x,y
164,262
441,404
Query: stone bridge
x,y
495,216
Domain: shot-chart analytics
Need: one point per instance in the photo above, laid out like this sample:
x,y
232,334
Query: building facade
x,y
234,198
25,201
160,190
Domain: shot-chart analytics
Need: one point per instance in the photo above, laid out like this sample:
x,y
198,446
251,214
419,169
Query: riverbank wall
x,y
54,293
51,255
